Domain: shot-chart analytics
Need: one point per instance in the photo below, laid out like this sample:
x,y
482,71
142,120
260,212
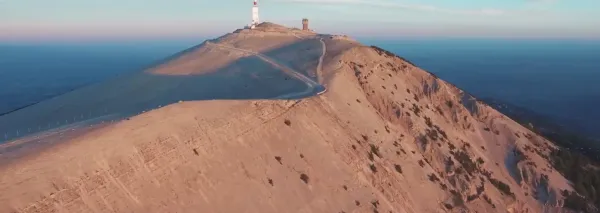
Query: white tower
x,y
254,15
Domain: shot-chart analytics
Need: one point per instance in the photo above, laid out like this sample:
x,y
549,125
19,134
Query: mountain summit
x,y
275,120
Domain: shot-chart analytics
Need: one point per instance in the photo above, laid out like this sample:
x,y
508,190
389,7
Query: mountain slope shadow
x,y
236,76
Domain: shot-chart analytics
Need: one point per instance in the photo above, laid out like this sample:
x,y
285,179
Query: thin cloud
x,y
398,5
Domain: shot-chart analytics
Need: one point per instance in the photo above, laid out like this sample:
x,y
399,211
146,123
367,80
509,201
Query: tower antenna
x,y
255,20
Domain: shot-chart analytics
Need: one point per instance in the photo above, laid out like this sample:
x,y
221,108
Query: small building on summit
x,y
305,24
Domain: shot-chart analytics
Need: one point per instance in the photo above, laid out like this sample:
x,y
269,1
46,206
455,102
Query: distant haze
x,y
110,19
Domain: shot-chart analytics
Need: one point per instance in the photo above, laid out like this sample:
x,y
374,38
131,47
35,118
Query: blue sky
x,y
87,19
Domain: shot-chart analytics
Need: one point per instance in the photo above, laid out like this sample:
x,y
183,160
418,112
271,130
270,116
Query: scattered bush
x,y
503,187
448,206
270,181
375,203
428,121
421,163
433,178
443,186
480,160
457,198
398,168
585,179
463,158
287,122
373,168
196,152
575,202
304,178
278,159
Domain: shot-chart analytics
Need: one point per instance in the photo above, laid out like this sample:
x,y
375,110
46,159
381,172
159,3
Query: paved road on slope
x,y
320,65
312,85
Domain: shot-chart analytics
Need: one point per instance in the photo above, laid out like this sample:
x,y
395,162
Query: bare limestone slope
x,y
386,136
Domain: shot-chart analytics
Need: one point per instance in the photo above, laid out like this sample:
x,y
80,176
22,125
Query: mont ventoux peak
x,y
275,119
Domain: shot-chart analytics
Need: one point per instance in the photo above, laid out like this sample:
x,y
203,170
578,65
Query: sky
x,y
137,19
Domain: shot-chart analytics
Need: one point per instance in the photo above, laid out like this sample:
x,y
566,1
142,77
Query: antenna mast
x,y
255,20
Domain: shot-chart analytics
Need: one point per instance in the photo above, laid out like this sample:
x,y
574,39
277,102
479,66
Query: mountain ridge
x,y
383,135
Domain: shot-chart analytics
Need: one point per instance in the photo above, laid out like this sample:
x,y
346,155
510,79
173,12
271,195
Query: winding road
x,y
310,83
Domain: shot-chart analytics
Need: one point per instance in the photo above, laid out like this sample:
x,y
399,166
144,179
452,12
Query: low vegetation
x,y
398,168
373,168
584,175
503,187
304,178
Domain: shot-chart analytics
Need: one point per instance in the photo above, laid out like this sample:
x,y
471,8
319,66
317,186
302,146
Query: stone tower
x,y
305,24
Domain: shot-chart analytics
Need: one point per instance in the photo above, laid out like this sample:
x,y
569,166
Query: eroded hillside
x,y
386,136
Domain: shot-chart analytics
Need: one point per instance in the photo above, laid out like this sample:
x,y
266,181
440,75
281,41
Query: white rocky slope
x,y
386,136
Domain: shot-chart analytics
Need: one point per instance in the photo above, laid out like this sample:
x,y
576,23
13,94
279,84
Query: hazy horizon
x,y
34,20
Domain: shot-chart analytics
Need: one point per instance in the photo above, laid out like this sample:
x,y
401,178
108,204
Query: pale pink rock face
x,y
382,135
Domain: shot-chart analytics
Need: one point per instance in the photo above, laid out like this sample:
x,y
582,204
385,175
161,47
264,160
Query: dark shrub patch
x,y
398,168
373,168
375,203
448,206
574,201
486,129
433,178
503,187
375,150
457,198
421,163
451,146
287,122
278,159
480,160
443,186
449,103
304,178
428,121
466,162
196,152
270,181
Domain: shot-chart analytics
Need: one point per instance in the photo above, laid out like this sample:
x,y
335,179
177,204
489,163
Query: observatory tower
x,y
305,24
255,20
